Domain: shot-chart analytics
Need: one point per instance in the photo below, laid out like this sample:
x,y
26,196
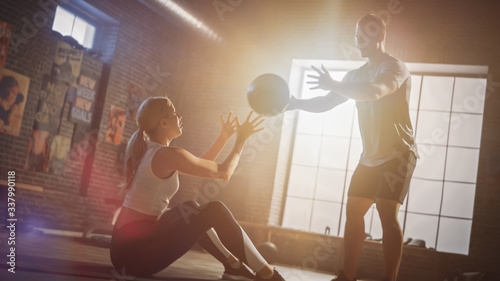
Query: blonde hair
x,y
148,117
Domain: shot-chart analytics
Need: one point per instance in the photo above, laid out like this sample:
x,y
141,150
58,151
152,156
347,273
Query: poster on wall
x,y
38,151
13,94
136,95
5,34
83,106
81,142
116,123
50,104
82,99
88,81
59,150
67,63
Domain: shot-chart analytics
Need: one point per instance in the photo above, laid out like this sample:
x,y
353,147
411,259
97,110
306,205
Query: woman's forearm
x,y
214,149
226,168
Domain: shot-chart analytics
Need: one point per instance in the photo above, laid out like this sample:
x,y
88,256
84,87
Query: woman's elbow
x,y
226,177
222,175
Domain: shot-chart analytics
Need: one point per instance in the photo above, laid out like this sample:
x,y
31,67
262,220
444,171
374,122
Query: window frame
x,y
94,24
297,76
106,27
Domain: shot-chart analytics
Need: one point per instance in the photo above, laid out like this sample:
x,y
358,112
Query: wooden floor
x,y
53,257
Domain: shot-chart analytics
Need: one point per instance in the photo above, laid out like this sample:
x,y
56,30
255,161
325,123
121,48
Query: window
x,y
68,23
91,27
446,111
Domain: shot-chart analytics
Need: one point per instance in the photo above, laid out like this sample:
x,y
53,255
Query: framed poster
x,y
116,123
59,150
13,94
38,151
83,106
82,99
67,63
50,104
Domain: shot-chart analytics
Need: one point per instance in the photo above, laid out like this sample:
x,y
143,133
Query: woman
x,y
147,237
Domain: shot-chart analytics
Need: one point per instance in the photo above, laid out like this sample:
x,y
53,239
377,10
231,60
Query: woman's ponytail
x,y
136,148
148,117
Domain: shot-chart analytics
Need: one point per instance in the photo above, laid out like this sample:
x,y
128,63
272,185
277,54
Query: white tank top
x,y
149,194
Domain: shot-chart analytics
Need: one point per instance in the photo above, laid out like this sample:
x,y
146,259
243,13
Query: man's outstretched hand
x,y
321,81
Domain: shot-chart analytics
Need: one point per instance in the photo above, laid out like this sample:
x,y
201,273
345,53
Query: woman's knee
x,y
215,207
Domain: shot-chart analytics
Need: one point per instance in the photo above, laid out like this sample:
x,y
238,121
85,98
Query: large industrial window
x,y
67,23
447,113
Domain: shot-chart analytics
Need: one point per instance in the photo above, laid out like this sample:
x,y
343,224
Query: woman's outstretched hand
x,y
228,126
249,127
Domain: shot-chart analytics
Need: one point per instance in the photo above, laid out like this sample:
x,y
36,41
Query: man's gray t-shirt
x,y
385,124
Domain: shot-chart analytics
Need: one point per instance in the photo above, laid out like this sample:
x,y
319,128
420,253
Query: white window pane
x,y
465,130
431,162
436,93
433,127
63,21
310,123
342,221
416,81
461,164
458,199
401,217
368,220
355,128
355,154
338,121
297,213
338,75
334,152
88,40
325,214
79,30
306,150
373,221
301,182
405,203
423,227
469,95
454,236
330,185
347,184
425,196
413,118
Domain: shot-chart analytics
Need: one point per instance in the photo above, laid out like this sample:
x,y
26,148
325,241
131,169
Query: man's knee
x,y
388,213
357,207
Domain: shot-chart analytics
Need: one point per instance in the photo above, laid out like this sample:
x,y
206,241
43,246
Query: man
x,y
381,89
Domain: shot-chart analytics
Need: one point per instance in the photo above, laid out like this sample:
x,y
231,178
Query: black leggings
x,y
147,247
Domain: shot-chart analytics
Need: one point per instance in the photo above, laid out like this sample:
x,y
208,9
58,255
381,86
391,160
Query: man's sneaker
x,y
276,277
241,273
341,277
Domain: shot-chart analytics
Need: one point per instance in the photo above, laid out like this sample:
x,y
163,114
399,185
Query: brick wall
x,y
206,78
142,51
